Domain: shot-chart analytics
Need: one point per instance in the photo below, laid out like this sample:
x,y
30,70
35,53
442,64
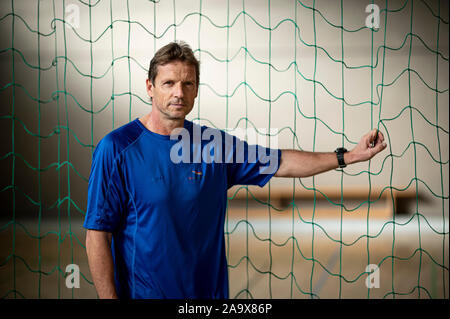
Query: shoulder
x,y
118,140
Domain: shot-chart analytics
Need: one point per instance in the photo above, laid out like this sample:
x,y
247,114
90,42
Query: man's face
x,y
174,91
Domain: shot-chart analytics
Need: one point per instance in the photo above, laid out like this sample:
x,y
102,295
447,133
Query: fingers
x,y
378,144
371,138
374,133
370,144
375,138
381,145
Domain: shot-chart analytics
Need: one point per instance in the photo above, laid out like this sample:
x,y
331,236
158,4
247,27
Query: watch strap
x,y
340,156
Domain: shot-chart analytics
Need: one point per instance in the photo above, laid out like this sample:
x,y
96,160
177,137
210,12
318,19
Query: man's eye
x,y
168,83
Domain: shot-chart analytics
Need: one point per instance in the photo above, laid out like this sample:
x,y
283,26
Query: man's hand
x,y
370,144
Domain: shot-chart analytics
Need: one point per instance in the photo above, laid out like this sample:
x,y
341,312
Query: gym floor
x,y
261,259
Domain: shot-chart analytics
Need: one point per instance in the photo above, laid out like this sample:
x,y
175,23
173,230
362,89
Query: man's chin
x,y
180,115
174,114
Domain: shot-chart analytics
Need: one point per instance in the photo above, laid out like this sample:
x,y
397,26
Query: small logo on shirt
x,y
157,178
195,175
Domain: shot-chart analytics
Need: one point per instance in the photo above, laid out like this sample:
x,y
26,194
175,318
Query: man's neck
x,y
160,125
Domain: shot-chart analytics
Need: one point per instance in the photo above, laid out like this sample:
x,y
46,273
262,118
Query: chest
x,y
156,181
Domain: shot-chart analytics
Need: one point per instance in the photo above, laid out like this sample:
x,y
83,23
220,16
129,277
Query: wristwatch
x,y
340,156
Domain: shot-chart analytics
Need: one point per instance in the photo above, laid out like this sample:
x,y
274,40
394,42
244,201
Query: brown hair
x,y
174,51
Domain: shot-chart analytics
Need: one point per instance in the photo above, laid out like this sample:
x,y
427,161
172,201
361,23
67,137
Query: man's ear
x,y
149,87
196,92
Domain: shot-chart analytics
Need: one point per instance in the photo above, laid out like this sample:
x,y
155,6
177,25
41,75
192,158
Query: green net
x,y
308,75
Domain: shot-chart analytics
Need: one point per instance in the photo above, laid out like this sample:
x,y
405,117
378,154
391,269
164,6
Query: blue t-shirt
x,y
166,215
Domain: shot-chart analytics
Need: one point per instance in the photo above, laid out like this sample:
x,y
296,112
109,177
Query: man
x,y
155,225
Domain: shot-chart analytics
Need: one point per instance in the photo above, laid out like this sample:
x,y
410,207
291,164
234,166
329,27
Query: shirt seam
x,y
133,267
115,164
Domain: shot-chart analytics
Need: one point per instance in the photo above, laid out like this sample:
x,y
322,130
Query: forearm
x,y
296,163
98,248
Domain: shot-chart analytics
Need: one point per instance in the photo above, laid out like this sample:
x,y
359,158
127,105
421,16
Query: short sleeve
x,y
252,164
106,189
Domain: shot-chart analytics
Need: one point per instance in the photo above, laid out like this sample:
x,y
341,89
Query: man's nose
x,y
178,90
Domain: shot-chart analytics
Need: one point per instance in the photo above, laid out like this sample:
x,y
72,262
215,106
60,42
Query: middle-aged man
x,y
155,221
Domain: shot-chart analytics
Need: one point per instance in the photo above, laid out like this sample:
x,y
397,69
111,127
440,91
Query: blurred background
x,y
318,73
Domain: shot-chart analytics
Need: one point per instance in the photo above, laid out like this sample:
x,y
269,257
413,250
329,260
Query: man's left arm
x,y
296,163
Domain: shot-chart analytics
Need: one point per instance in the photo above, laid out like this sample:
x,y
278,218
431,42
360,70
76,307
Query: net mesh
x,y
322,73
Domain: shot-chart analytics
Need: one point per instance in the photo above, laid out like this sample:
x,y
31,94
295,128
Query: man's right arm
x,y
98,248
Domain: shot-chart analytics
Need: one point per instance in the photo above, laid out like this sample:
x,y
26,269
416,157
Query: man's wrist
x,y
349,158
